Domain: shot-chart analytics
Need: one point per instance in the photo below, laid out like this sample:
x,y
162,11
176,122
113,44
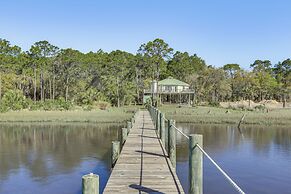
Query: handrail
x,y
212,161
181,132
220,169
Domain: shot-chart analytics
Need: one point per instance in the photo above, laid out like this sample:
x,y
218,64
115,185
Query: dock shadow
x,y
145,136
141,188
150,153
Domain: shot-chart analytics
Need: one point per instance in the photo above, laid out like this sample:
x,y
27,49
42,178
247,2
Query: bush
x,y
62,104
148,102
260,107
214,104
103,105
90,96
87,107
58,104
13,100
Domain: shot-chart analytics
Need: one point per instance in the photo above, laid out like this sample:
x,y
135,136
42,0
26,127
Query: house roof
x,y
170,81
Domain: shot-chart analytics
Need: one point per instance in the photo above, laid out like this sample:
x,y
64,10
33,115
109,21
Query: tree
x,y
182,65
157,51
8,58
245,85
283,76
262,66
119,77
42,53
264,79
69,69
231,69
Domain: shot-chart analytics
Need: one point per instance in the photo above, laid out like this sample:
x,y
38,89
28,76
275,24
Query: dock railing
x,y
196,151
90,182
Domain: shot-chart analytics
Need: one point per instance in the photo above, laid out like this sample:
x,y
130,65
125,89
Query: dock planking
x,y
143,165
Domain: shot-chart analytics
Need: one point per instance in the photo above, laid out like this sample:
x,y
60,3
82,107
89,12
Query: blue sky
x,y
221,32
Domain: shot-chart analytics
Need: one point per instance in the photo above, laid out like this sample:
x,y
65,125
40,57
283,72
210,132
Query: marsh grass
x,y
111,115
214,115
201,114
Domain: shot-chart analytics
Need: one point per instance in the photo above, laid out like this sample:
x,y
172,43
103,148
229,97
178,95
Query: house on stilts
x,y
170,91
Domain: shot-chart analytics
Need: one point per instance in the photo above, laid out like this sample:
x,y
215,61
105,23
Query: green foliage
x,y
103,105
49,105
260,107
214,104
90,96
182,65
13,100
52,78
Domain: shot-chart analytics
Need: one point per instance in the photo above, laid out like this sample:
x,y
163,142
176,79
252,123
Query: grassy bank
x,y
207,115
111,115
213,115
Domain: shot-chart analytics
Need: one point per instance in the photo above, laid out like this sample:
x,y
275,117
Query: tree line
x,y
48,74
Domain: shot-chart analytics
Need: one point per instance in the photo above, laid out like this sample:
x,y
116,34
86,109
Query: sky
x,y
219,31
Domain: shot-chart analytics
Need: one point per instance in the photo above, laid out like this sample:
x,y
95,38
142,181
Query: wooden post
x,y
172,143
90,184
115,152
128,126
158,122
168,129
156,113
123,135
189,99
154,116
162,129
195,164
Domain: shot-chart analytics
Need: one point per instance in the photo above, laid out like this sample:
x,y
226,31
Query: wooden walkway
x,y
142,166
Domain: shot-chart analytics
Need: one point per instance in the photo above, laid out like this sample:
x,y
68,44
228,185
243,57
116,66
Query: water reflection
x,y
52,158
259,159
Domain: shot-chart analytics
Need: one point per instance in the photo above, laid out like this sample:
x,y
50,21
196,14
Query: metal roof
x,y
170,81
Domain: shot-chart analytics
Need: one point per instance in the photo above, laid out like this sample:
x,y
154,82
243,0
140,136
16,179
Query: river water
x,y
257,158
52,158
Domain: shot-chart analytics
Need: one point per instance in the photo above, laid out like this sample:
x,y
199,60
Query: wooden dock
x,y
143,165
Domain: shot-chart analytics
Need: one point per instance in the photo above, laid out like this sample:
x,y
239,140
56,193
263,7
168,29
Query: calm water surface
x,y
259,159
52,158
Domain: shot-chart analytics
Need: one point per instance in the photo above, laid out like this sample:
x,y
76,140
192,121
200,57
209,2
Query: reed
x,y
112,115
216,115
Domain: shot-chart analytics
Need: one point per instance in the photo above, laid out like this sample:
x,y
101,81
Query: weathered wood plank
x,y
143,166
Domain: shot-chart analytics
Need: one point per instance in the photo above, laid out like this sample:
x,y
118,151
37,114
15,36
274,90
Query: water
x,y
52,158
259,159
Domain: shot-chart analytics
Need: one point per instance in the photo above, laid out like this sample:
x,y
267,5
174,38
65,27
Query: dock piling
x,y
90,184
162,129
195,164
128,126
172,143
158,123
115,152
123,135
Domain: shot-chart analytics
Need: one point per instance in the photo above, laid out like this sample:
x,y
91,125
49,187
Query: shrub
x,y
90,96
13,100
103,105
62,104
58,104
214,104
148,102
260,107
